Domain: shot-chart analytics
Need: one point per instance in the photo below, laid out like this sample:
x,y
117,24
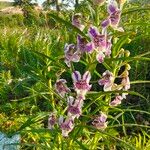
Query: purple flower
x,y
116,101
71,54
100,121
107,80
81,85
108,48
75,107
83,45
115,18
51,121
76,21
98,39
105,23
66,126
61,87
114,15
112,6
100,57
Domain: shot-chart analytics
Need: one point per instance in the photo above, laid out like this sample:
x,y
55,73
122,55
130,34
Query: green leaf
x,y
135,9
117,46
139,82
128,59
68,24
97,94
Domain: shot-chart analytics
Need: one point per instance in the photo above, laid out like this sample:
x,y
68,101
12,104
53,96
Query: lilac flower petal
x,y
76,57
60,120
70,100
108,48
87,76
112,9
51,121
67,126
100,121
89,47
76,76
93,32
105,23
115,18
61,87
116,101
112,6
103,117
108,87
76,21
100,57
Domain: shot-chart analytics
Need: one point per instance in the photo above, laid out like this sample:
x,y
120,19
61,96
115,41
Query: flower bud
x,y
127,53
128,67
98,2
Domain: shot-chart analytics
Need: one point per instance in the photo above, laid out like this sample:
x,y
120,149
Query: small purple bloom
x,y
51,121
112,6
61,87
100,57
81,85
75,107
105,23
76,21
108,48
114,15
107,80
71,54
83,45
66,126
98,39
100,121
115,18
116,101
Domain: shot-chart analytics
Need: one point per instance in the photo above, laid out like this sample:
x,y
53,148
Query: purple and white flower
x,y
105,23
83,45
71,54
100,57
116,101
98,39
66,126
81,85
61,87
100,121
75,106
108,48
51,121
114,15
107,80
76,21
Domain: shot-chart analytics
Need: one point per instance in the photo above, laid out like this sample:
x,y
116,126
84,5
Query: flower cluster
x,y
98,43
100,121
74,105
107,81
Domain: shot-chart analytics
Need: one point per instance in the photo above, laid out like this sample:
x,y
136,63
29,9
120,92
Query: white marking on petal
x,y
87,76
